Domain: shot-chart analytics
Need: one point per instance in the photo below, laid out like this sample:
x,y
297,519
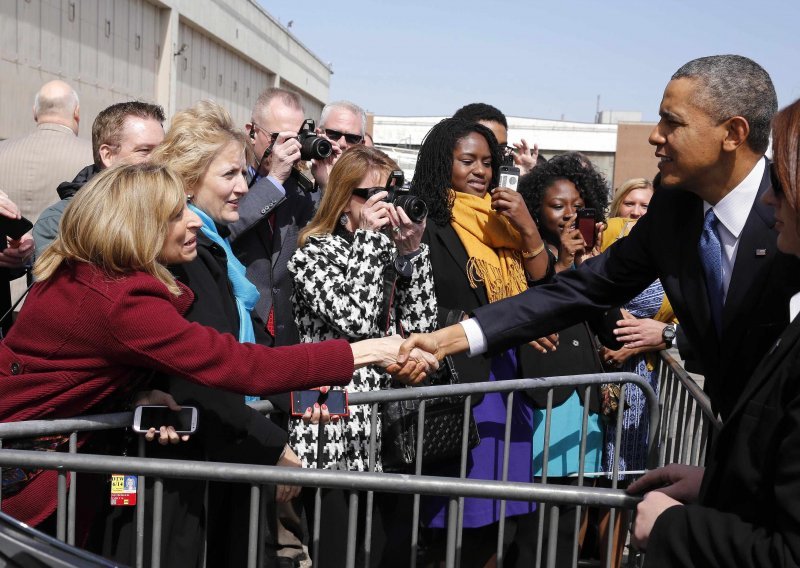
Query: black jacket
x,y
453,293
749,508
663,244
229,430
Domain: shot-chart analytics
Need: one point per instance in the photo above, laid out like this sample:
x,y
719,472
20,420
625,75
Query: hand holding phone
x,y
183,421
587,225
334,401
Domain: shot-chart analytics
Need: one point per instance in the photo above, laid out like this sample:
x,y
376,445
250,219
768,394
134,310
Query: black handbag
x,y
444,420
444,417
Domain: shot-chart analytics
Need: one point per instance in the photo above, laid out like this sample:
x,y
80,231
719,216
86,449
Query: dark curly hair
x,y
574,167
434,169
481,111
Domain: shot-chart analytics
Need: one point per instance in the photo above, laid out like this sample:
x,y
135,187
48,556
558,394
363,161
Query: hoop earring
x,y
343,220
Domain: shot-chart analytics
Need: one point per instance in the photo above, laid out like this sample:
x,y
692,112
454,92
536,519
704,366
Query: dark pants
x,y
390,542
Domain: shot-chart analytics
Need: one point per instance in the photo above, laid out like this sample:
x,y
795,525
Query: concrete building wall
x,y
114,50
635,157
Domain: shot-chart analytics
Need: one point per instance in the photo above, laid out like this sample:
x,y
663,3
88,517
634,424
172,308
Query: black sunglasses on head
x,y
777,187
350,138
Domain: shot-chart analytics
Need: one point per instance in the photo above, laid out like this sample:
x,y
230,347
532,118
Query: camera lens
x,y
414,207
312,147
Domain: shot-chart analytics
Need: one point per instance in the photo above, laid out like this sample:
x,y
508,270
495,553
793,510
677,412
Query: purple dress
x,y
486,460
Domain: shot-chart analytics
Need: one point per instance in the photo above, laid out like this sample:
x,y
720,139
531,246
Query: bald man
x,y
31,167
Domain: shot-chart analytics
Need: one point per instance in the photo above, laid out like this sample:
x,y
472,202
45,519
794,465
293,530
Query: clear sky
x,y
532,58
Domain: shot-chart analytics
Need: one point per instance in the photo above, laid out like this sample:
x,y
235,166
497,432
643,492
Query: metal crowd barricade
x,y
687,422
456,489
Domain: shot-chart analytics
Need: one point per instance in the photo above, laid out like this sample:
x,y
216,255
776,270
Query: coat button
x,y
15,368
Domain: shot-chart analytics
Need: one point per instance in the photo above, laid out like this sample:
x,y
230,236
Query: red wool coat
x,y
84,339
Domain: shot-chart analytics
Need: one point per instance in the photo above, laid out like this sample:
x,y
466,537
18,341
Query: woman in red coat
x,y
106,313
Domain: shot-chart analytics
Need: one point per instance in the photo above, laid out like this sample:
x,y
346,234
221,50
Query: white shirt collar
x,y
733,209
794,306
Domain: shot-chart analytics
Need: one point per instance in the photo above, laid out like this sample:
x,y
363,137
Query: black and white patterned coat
x,y
338,293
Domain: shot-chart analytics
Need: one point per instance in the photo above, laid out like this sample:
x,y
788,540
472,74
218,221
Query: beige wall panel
x,y
70,38
115,50
50,35
29,33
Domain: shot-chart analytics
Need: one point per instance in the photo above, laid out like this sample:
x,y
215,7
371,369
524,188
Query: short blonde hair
x,y
195,137
350,169
119,222
623,191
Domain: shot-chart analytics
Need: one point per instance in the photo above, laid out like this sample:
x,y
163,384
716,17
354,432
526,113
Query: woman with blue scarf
x,y
206,149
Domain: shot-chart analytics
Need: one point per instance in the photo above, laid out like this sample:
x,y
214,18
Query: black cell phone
x,y
13,228
509,177
336,401
184,420
586,225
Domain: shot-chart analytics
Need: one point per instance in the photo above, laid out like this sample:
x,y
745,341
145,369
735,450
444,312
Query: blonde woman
x,y
105,312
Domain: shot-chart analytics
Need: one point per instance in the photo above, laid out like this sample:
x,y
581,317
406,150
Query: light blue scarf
x,y
244,291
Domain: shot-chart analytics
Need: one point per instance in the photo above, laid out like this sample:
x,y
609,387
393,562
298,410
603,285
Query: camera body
x,y
399,196
312,146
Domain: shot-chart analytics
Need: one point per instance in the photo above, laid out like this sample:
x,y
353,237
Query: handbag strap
x,y
389,288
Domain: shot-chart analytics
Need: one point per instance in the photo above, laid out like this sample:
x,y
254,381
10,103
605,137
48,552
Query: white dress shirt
x,y
731,211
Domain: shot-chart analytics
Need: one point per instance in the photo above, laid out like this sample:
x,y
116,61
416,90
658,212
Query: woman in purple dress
x,y
484,246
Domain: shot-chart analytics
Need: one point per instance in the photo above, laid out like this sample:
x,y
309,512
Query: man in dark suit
x,y
711,139
744,510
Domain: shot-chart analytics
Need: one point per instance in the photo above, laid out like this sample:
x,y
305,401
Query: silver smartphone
x,y
184,420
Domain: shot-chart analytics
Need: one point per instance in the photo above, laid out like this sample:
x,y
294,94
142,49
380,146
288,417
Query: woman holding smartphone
x,y
105,313
484,246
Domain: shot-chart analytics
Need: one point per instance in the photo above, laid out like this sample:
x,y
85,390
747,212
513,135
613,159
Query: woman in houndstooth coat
x,y
341,290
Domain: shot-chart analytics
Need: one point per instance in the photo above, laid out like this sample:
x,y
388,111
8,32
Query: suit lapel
x,y
452,244
753,258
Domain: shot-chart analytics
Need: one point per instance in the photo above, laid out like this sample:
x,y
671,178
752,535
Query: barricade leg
x,y
158,509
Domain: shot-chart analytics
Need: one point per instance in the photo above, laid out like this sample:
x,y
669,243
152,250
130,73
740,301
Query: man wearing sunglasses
x,y
344,124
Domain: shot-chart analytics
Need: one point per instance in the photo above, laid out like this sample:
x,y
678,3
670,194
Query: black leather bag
x,y
444,419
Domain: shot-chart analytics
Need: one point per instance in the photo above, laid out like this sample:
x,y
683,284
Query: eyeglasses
x,y
777,187
366,192
272,135
350,138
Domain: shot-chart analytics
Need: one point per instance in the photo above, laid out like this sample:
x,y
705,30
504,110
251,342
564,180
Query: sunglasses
x,y
335,135
365,192
777,187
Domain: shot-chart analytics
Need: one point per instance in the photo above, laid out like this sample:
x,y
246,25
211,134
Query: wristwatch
x,y
403,267
668,334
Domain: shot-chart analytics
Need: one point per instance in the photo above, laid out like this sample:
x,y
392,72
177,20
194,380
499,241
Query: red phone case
x,y
586,225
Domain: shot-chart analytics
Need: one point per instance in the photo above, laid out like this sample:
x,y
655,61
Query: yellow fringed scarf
x,y
492,246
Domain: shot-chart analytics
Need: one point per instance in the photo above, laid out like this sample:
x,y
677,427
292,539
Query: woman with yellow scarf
x,y
484,246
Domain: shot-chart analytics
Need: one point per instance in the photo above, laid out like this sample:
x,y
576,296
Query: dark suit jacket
x,y
266,253
454,294
663,244
749,511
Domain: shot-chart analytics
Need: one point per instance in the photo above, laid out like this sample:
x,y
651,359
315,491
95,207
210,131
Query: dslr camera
x,y
399,196
312,147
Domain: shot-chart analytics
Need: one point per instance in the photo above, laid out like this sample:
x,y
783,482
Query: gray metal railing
x,y
257,476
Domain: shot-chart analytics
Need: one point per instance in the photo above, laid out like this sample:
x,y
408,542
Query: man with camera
x,y
280,203
344,124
